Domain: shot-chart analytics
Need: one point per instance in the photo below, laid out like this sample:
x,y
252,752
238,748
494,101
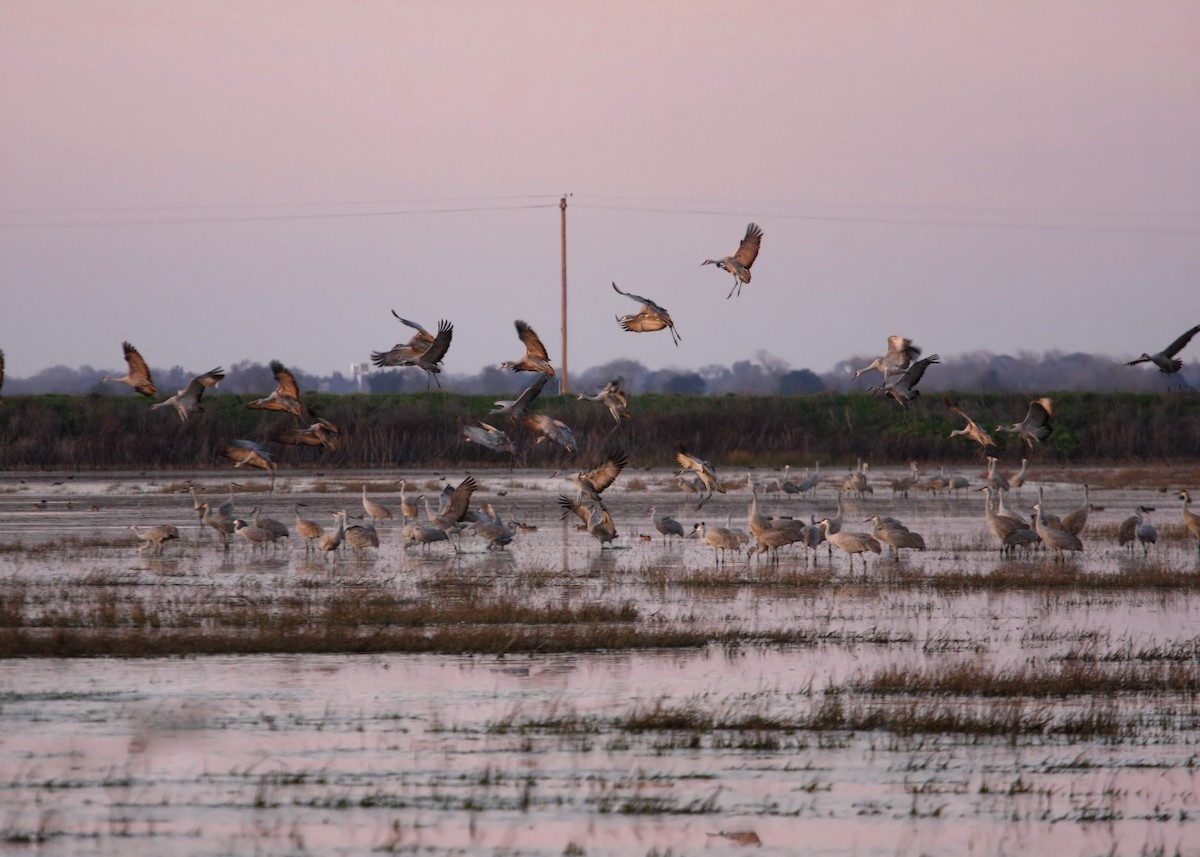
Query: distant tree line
x,y
101,432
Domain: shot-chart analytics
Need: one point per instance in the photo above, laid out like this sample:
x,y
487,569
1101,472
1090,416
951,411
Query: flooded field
x,y
559,698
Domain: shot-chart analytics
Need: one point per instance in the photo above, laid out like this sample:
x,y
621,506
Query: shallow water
x,y
542,754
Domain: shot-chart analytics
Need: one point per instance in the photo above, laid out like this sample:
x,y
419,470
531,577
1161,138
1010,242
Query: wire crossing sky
x,y
221,182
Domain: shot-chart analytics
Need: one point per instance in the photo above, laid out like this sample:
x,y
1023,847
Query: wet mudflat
x,y
642,700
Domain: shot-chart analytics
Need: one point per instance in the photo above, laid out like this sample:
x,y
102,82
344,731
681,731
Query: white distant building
x,y
359,371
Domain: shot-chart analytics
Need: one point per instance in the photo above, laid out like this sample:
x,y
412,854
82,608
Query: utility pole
x,y
562,207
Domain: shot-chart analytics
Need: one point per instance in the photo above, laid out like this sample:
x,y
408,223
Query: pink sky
x,y
999,176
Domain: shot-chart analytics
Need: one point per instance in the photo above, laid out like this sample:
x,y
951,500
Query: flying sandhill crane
x,y
456,507
666,525
614,397
651,317
286,396
1165,360
851,543
1057,539
187,400
535,358
1191,521
247,453
593,483
138,375
703,471
154,537
596,520
410,350
547,427
489,437
1036,425
321,433
430,359
739,263
308,529
375,511
903,387
972,430
900,354
518,407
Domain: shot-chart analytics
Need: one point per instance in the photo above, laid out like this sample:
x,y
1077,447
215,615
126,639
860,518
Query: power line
x,y
253,205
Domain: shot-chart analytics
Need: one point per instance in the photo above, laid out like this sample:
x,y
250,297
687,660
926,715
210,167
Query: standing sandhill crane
x,y
138,375
187,400
331,541
1127,529
410,350
154,537
902,485
457,504
221,524
285,397
895,535
972,430
666,525
1036,425
489,437
535,358
360,537
430,359
492,528
593,483
418,533
903,388
517,408
254,536
900,354
308,529
808,485
1017,480
1053,537
249,454
408,508
739,263
703,471
720,539
1165,360
597,521
1145,531
277,529
652,317
614,397
375,511
1191,521
1000,525
851,543
1075,520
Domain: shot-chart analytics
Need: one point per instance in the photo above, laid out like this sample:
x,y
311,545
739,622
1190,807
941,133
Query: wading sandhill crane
x,y
286,396
1036,425
410,350
331,541
1017,480
221,524
720,539
535,358
308,529
651,317
903,484
1075,520
277,529
518,407
458,503
1127,529
593,483
430,359
596,520
1165,360
155,537
187,400
703,471
900,354
972,430
360,537
739,263
422,534
1191,521
254,536
1057,539
375,511
895,535
614,397
903,387
247,453
1000,525
138,375
408,507
489,437
1144,531
851,543
493,530
666,525
808,485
